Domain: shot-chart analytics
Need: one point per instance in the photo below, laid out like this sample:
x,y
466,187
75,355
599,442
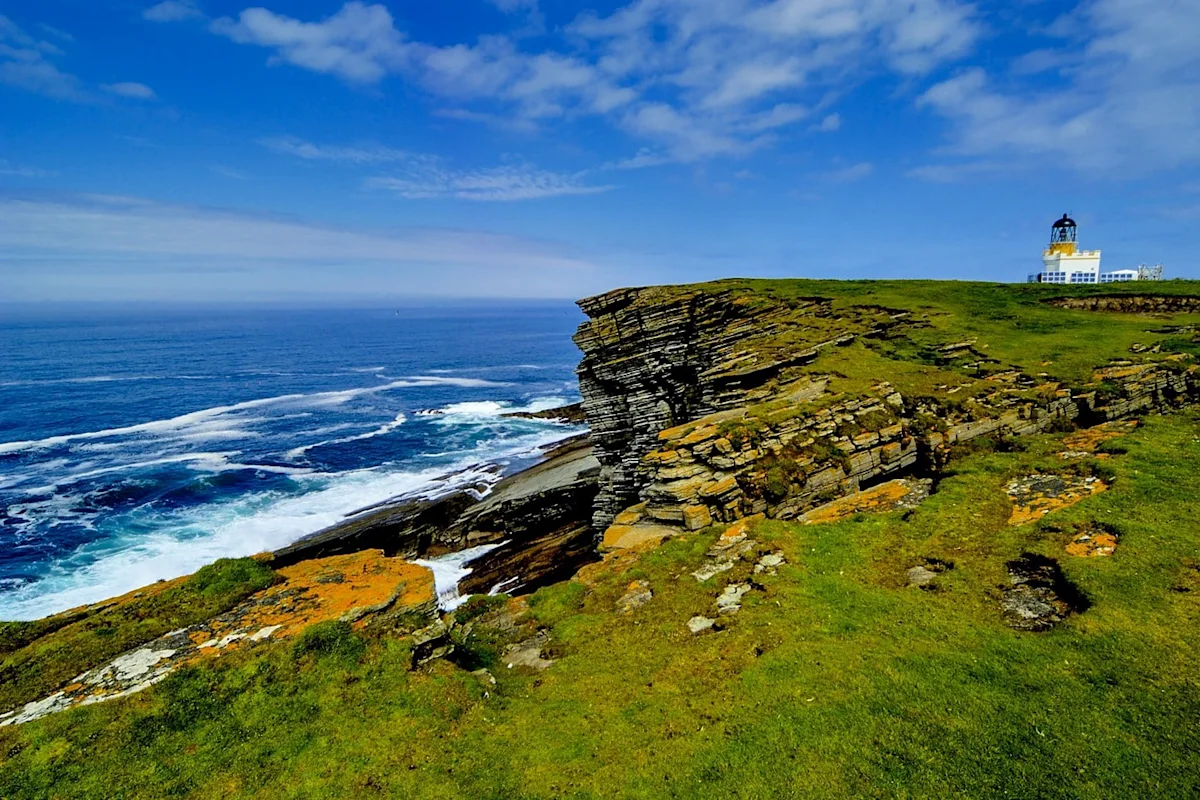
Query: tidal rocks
x,y
572,413
541,515
1040,595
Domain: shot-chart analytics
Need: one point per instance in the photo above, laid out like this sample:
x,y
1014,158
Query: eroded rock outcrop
x,y
708,405
659,357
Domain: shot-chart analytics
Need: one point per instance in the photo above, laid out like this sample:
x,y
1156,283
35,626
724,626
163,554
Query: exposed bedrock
x,y
658,357
1131,304
708,407
541,514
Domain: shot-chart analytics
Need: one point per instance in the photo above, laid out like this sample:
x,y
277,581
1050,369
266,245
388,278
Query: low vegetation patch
x,y
48,653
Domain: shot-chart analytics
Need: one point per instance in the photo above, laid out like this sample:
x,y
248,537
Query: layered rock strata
x,y
702,411
656,358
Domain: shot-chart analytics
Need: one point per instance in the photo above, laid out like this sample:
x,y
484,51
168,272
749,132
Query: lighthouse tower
x,y
1062,259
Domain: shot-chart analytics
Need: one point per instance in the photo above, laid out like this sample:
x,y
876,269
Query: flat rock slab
x,y
901,494
1035,496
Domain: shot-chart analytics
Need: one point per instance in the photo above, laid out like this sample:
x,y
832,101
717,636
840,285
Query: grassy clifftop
x,y
1029,629
835,679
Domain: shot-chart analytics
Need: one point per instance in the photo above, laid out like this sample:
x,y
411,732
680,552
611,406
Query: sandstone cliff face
x,y
708,406
658,357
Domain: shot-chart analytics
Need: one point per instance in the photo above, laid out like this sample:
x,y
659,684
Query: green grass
x,y
40,657
1010,323
836,680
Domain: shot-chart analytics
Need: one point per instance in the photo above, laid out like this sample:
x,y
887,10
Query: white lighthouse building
x,y
1064,262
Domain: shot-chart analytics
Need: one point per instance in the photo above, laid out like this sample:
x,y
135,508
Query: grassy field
x,y
835,680
1011,323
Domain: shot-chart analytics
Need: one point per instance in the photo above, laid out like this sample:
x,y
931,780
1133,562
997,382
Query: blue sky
x,y
321,151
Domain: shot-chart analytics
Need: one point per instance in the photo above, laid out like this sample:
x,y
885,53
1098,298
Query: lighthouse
x,y
1063,261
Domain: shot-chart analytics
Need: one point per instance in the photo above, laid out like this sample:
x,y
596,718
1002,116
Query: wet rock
x,y
431,643
699,624
636,596
1040,596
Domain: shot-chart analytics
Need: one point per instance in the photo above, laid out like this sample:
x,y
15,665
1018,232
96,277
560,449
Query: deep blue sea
x,y
137,445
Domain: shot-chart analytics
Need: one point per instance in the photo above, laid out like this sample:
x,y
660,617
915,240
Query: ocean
x,y
138,445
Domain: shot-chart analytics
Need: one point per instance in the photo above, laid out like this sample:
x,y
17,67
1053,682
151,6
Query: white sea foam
x,y
251,523
450,569
189,422
382,430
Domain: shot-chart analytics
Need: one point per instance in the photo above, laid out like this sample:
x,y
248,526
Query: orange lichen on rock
x,y
1088,439
346,587
1036,496
890,496
1092,545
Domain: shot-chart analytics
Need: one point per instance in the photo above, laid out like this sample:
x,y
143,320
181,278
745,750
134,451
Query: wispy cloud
x,y
20,171
366,154
25,63
422,176
173,11
1130,103
829,124
497,184
697,79
132,227
851,173
135,91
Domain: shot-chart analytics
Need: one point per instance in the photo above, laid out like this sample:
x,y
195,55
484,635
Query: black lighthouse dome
x,y
1063,230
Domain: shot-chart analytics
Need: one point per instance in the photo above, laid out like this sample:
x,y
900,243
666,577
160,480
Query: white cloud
x,y
504,183
366,154
697,79
829,124
172,11
25,64
1129,99
420,176
359,43
135,91
851,174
